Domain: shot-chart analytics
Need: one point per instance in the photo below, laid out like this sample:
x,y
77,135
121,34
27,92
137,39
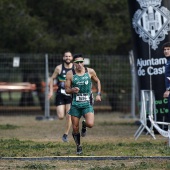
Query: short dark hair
x,y
167,44
77,56
66,52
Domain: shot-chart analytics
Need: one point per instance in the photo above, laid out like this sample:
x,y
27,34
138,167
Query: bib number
x,y
82,97
64,92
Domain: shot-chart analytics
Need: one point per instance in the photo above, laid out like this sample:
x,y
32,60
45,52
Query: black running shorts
x,y
62,99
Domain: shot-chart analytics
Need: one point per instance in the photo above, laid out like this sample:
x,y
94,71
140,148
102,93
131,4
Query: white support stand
x,y
147,108
161,131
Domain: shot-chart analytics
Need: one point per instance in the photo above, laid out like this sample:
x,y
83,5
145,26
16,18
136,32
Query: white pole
x,y
47,110
47,102
131,58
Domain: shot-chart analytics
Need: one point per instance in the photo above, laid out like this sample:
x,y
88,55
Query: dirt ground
x,y
52,130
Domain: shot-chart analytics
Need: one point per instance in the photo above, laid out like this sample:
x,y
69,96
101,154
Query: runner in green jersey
x,y
82,98
78,83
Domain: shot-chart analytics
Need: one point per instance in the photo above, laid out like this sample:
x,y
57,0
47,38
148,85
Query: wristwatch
x,y
168,89
98,93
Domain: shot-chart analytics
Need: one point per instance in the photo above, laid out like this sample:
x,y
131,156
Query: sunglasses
x,y
77,62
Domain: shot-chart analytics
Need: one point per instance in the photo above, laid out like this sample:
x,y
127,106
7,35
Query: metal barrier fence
x,y
22,82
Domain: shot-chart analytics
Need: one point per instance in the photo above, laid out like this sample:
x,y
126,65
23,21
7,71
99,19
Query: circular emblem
x,y
152,22
86,82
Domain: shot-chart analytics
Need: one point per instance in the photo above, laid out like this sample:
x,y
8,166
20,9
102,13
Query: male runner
x,y
62,99
78,83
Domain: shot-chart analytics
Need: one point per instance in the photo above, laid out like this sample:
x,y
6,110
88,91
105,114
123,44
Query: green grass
x,y
18,148
116,123
39,166
8,127
89,165
23,136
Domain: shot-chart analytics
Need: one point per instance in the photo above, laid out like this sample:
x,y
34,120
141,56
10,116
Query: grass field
x,y
112,136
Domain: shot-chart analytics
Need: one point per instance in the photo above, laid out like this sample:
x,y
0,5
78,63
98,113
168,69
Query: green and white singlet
x,y
81,103
81,99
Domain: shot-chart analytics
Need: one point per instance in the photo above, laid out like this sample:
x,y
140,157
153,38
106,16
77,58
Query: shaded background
x,y
90,27
100,29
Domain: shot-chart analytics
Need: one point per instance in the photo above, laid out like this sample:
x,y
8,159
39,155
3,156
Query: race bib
x,y
82,97
64,92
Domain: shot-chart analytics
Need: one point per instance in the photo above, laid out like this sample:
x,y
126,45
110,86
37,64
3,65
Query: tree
x,y
91,26
19,31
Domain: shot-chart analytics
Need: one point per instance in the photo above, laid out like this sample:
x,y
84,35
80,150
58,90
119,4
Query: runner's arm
x,y
97,81
68,84
51,82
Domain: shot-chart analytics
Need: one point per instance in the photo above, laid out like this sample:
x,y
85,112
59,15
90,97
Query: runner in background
x,y
62,100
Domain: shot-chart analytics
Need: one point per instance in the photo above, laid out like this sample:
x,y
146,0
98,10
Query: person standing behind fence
x,y
166,50
78,83
62,99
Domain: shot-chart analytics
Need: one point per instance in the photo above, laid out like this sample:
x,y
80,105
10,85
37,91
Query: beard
x,y
67,62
